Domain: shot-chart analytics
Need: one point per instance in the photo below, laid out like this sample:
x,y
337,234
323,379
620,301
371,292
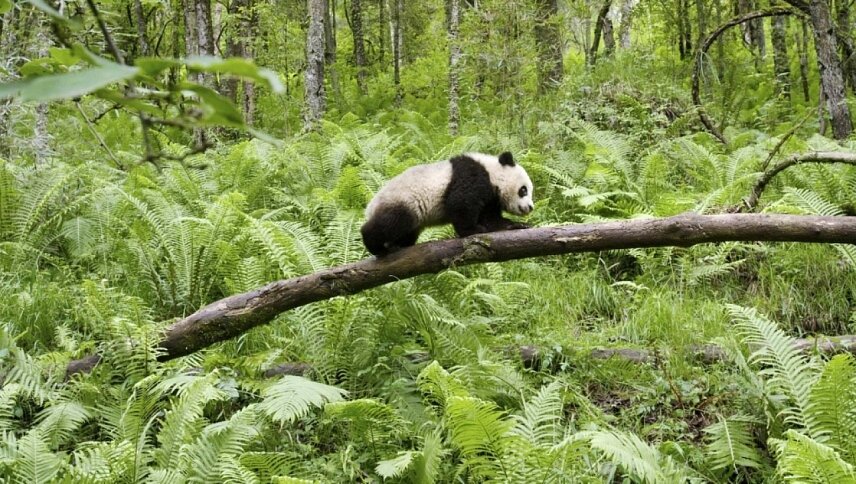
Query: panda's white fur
x,y
469,191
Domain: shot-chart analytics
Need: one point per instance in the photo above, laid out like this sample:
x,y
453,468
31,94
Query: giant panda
x,y
470,191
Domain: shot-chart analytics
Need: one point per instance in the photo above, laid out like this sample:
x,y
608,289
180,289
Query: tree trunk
x,y
598,29
238,45
548,42
687,31
701,18
758,37
454,60
831,75
381,5
608,37
396,50
626,23
41,138
359,45
8,50
314,81
781,63
845,40
140,19
234,315
190,45
803,48
330,48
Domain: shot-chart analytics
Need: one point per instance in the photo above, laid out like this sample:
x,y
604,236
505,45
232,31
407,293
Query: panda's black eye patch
x,y
522,192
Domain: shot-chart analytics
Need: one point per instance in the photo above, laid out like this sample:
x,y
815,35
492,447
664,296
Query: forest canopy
x,y
161,160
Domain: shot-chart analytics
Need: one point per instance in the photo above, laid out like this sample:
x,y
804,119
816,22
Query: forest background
x,y
157,156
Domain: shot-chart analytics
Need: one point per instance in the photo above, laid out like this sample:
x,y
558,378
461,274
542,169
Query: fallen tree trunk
x,y
234,315
530,356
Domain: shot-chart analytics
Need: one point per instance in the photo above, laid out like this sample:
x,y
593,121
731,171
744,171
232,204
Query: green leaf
x,y
223,111
5,6
68,85
236,66
53,13
396,466
153,66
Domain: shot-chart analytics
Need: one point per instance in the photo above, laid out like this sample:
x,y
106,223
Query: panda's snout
x,y
525,209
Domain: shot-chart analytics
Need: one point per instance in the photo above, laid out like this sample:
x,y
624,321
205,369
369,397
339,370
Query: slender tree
x,y
359,45
454,60
598,29
781,63
330,48
802,45
396,50
626,23
845,40
831,74
548,40
314,77
140,20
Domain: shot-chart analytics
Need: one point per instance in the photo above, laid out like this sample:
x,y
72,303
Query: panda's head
x,y
513,184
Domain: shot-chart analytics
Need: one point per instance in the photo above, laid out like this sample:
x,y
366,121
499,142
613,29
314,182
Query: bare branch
x,y
813,157
702,51
234,315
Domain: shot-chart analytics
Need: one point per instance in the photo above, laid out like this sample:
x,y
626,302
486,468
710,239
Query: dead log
x,y
234,315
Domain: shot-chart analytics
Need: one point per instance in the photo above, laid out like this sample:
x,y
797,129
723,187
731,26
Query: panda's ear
x,y
506,159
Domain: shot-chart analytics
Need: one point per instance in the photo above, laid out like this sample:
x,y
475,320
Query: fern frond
x,y
785,369
540,423
634,456
730,444
832,404
481,433
397,466
802,459
292,397
34,461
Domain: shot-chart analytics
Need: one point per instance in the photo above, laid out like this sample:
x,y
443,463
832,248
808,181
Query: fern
x,y
482,434
292,397
832,403
802,459
785,369
34,462
637,458
730,444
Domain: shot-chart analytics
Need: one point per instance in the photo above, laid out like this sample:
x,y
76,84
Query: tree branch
x,y
234,315
813,157
702,50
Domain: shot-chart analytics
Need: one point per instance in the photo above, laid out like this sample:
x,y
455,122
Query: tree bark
x,y
190,46
238,45
813,157
381,5
140,20
548,43
702,50
359,44
234,315
396,50
803,47
314,80
626,24
330,48
608,37
845,40
598,29
454,69
41,142
781,63
831,75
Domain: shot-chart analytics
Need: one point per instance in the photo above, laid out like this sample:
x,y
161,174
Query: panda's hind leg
x,y
390,230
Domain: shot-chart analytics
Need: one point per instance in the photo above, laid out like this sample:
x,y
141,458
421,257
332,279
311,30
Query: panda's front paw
x,y
518,226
